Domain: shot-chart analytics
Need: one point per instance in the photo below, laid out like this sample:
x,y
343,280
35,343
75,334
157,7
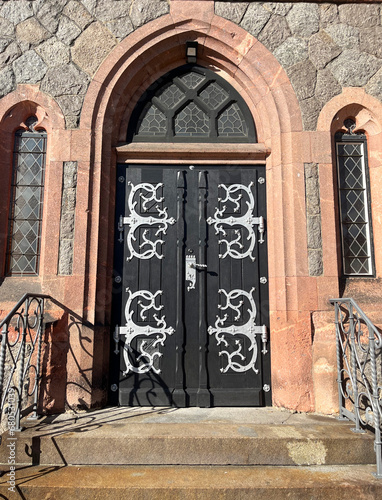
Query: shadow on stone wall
x,y
54,366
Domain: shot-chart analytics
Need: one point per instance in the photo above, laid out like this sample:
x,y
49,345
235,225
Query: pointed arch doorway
x,y
191,312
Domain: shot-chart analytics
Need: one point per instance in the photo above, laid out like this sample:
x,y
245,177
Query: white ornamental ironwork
x,y
234,248
148,248
236,360
149,349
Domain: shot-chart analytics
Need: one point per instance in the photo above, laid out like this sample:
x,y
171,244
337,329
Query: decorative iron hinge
x,y
239,247
234,300
152,337
158,221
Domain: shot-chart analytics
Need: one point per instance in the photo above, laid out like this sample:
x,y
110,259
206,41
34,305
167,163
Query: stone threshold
x,y
194,483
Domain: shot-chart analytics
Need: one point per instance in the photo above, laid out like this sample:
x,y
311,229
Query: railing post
x,y
375,404
34,416
21,369
339,357
3,348
354,370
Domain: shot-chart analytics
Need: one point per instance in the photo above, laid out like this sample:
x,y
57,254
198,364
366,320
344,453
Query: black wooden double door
x,y
191,281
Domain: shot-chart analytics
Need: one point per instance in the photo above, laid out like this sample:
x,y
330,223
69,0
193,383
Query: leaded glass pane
x,y
29,168
213,95
27,202
353,206
192,80
231,122
153,123
23,264
185,106
192,122
30,144
352,172
25,235
349,150
171,96
356,246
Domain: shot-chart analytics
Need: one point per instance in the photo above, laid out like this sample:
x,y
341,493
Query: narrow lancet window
x,y
26,206
354,203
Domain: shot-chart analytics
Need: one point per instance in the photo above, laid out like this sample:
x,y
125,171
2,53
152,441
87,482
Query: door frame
x,y
135,154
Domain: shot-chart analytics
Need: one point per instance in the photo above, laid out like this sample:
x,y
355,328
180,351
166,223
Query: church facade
x,y
191,181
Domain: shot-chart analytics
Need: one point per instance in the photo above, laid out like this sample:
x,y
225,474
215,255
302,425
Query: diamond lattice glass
x,y
356,246
27,202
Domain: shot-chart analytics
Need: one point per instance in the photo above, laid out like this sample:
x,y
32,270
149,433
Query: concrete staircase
x,y
218,453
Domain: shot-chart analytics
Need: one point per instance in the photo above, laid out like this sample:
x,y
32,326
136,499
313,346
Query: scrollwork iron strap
x,y
146,359
236,360
359,348
236,247
148,193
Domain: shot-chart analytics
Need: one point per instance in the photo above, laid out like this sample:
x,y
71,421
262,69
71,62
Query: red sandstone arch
x,y
367,111
132,66
15,108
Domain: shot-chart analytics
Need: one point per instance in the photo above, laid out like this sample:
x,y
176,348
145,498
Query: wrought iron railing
x,y
20,359
359,365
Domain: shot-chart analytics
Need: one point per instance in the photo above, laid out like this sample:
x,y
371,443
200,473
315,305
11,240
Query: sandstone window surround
x,y
354,203
26,204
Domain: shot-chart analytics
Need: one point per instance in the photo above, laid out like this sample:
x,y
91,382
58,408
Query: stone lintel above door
x,y
255,153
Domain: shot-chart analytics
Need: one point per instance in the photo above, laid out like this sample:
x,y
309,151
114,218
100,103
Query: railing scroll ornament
x,y
359,352
20,359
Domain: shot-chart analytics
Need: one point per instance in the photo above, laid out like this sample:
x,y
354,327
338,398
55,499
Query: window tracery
x,y
191,104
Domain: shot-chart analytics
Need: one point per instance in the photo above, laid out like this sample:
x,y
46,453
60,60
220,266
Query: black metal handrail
x,y
359,344
20,356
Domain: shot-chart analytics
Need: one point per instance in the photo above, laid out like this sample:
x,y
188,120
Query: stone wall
x,y
61,43
68,206
323,47
313,219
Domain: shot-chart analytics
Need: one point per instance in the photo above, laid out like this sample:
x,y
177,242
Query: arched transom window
x,y
191,104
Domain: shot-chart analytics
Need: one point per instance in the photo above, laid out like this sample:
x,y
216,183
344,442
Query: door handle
x,y
195,265
120,229
191,267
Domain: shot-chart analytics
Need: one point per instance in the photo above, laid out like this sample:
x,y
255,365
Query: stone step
x,y
128,443
193,483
